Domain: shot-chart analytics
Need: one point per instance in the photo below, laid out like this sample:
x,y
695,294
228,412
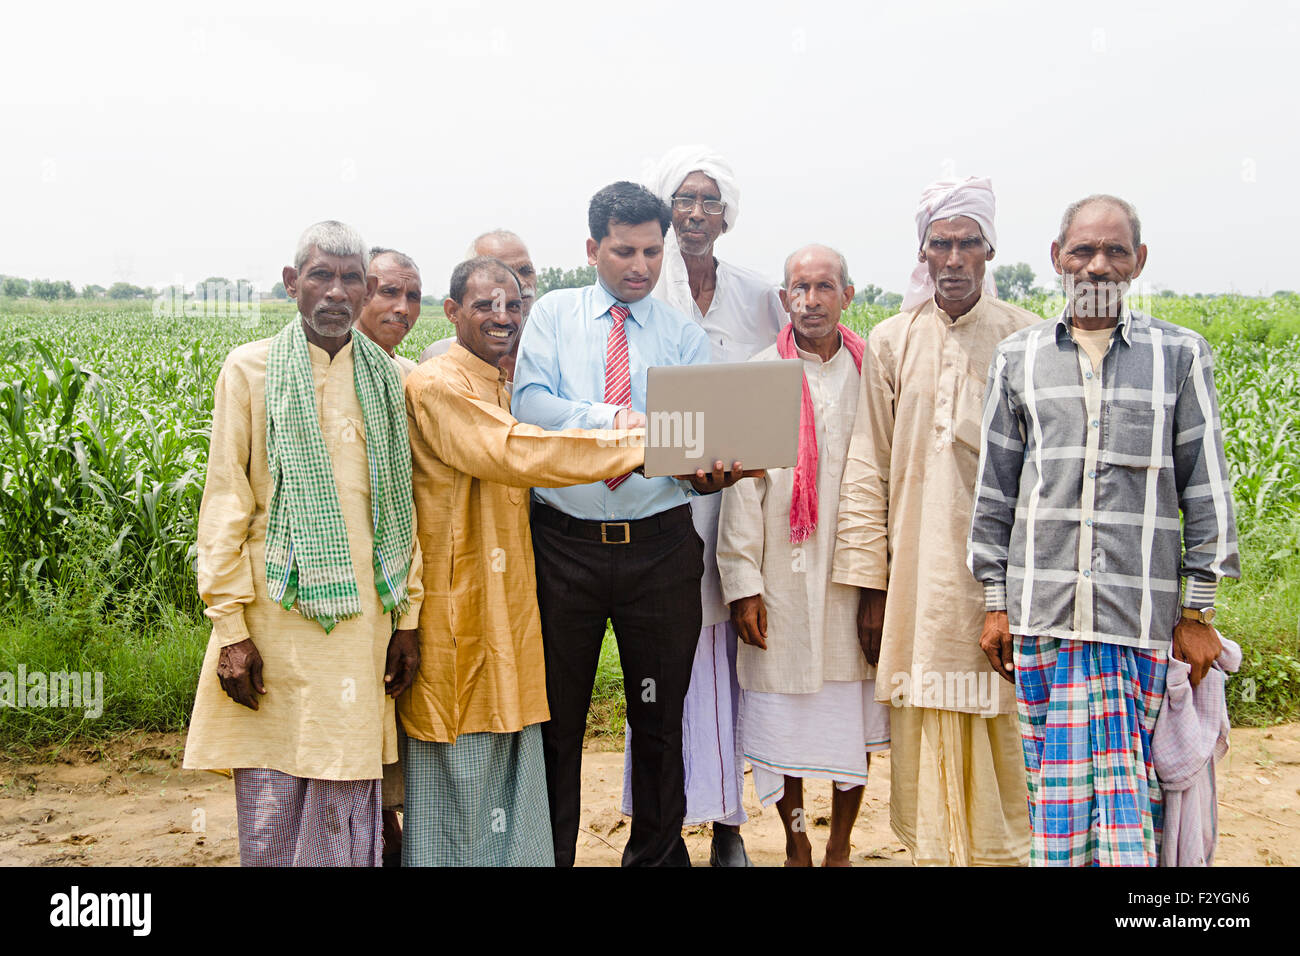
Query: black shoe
x,y
728,849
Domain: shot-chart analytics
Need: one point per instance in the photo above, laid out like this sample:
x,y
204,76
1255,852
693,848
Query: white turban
x,y
944,199
673,168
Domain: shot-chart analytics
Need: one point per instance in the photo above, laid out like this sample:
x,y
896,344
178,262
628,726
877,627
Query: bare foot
x,y
830,860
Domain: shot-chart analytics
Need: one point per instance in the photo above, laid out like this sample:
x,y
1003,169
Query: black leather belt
x,y
611,532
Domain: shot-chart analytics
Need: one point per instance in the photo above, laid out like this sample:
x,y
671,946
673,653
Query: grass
x,y
104,414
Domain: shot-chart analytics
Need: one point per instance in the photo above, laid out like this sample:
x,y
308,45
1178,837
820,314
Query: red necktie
x,y
618,377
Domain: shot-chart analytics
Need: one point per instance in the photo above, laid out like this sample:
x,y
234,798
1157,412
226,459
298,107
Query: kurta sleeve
x,y
225,569
740,539
861,540
485,441
414,580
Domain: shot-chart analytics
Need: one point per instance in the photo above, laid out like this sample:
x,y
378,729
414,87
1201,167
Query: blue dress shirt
x,y
560,383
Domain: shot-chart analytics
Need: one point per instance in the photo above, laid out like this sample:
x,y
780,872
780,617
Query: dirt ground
x,y
131,804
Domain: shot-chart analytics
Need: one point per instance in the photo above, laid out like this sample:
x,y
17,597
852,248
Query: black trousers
x,y
649,588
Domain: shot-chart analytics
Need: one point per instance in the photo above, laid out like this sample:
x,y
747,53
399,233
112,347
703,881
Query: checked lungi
x,y
300,821
1087,710
478,802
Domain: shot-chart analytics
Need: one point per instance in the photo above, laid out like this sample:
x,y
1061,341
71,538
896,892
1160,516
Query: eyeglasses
x,y
712,207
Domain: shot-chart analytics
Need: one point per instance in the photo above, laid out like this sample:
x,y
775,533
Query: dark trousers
x,y
649,588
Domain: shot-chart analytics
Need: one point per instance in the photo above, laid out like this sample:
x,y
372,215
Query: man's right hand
x,y
749,618
626,418
871,622
240,671
995,642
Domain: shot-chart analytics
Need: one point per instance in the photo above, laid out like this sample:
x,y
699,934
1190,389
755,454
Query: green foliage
x,y
14,287
124,290
1014,282
554,278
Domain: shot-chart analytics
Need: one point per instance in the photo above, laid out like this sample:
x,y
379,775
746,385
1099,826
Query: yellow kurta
x,y
325,713
905,506
481,666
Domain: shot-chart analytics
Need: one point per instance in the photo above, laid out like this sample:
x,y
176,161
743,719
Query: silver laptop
x,y
743,411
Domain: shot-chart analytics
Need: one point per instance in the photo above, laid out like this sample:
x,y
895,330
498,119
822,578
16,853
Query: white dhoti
x,y
826,735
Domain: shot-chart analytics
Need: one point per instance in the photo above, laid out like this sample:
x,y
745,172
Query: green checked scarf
x,y
308,561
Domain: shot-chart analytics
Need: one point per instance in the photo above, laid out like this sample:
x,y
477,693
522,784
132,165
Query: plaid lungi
x,y
302,821
1087,710
478,802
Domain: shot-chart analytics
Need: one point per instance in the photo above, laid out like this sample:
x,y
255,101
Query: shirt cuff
x,y
601,415
995,595
411,619
1198,593
229,629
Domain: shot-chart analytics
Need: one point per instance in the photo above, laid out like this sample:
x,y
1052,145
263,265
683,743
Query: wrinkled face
x,y
628,260
489,315
955,254
1098,260
395,306
814,295
331,291
514,254
697,230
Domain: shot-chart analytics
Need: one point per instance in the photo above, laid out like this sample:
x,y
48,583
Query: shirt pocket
x,y
968,411
1128,435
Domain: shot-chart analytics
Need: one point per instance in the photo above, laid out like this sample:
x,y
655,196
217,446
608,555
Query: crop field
x,y
104,415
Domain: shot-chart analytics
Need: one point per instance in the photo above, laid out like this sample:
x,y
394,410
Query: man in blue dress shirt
x,y
622,550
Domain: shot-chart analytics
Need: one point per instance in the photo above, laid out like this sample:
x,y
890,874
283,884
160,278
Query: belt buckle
x,y
627,531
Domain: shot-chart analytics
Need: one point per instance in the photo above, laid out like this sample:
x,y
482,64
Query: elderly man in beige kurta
x,y
807,701
312,749
957,790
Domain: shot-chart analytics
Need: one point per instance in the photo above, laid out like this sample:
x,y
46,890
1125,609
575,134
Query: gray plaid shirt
x,y
1082,477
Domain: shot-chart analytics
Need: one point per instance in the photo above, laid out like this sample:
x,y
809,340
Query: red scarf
x,y
803,501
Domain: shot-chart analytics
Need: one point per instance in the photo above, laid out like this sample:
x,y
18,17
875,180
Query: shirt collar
x,y
473,364
602,299
1125,324
814,357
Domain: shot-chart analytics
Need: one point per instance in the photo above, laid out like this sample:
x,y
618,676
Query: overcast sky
x,y
150,143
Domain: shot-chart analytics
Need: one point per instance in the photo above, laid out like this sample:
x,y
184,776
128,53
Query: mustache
x,y
343,307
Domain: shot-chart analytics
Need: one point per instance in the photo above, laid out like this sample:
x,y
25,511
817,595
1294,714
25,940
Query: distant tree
x,y
278,291
67,290
124,290
890,300
553,278
1014,282
15,287
431,299
92,291
1167,293
868,294
1281,292
45,289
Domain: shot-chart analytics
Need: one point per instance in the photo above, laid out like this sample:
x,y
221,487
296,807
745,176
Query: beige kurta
x,y
325,713
905,507
812,633
481,666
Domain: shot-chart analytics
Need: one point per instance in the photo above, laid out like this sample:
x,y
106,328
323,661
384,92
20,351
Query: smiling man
x,y
475,775
1100,430
307,565
957,796
622,550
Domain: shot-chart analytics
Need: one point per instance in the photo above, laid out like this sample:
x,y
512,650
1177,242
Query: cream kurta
x,y
481,664
812,631
910,481
325,713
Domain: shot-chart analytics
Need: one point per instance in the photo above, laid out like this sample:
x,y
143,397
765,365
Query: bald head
x,y
506,246
816,252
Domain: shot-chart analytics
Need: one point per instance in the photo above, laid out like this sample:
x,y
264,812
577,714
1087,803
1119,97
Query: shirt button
x,y
1088,522
1087,375
1092,474
1095,423
1087,574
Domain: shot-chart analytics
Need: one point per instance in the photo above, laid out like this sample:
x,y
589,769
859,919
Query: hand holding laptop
x,y
706,483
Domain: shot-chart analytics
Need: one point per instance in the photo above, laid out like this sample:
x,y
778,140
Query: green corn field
x,y
104,418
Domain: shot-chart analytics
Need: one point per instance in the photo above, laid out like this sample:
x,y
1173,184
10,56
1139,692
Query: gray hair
x,y
504,234
403,260
845,281
332,238
1072,210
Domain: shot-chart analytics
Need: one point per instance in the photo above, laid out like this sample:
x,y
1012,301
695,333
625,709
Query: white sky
x,y
150,143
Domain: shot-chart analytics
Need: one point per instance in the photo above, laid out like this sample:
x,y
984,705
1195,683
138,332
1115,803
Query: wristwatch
x,y
1205,614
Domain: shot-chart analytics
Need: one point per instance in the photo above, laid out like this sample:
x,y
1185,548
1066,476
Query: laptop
x,y
742,411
